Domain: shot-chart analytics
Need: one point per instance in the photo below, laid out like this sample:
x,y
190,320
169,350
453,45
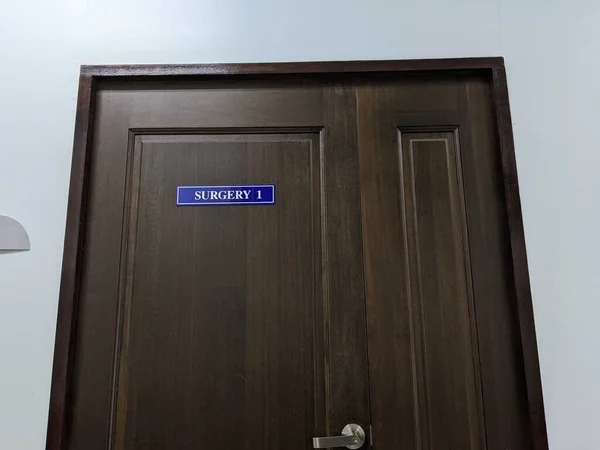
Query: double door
x,y
375,289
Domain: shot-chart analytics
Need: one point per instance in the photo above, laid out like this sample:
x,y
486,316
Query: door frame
x,y
492,67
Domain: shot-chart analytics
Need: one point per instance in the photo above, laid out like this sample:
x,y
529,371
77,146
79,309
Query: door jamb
x,y
79,185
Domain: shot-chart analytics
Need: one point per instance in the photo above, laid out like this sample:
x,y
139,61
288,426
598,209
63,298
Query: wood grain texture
x,y
92,402
519,258
424,374
120,389
440,288
71,268
347,380
397,419
93,356
212,351
501,361
408,65
414,106
81,412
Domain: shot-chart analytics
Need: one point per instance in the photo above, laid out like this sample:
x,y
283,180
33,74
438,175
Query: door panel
x,y
211,324
436,252
440,289
377,290
494,292
345,338
204,326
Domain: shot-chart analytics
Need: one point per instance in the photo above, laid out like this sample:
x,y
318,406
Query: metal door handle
x,y
353,437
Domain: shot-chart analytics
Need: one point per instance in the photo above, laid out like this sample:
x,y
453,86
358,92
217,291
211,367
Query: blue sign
x,y
261,194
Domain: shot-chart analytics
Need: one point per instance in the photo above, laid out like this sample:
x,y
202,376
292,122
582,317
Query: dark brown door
x,y
377,290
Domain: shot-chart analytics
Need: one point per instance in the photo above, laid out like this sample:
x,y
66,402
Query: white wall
x,y
552,53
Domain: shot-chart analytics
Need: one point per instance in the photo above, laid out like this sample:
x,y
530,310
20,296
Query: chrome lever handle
x,y
353,437
335,441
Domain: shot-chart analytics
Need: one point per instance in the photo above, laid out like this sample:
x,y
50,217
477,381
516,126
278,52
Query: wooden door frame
x,y
79,185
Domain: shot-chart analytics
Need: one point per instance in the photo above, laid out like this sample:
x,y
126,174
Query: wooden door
x,y
440,314
377,287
